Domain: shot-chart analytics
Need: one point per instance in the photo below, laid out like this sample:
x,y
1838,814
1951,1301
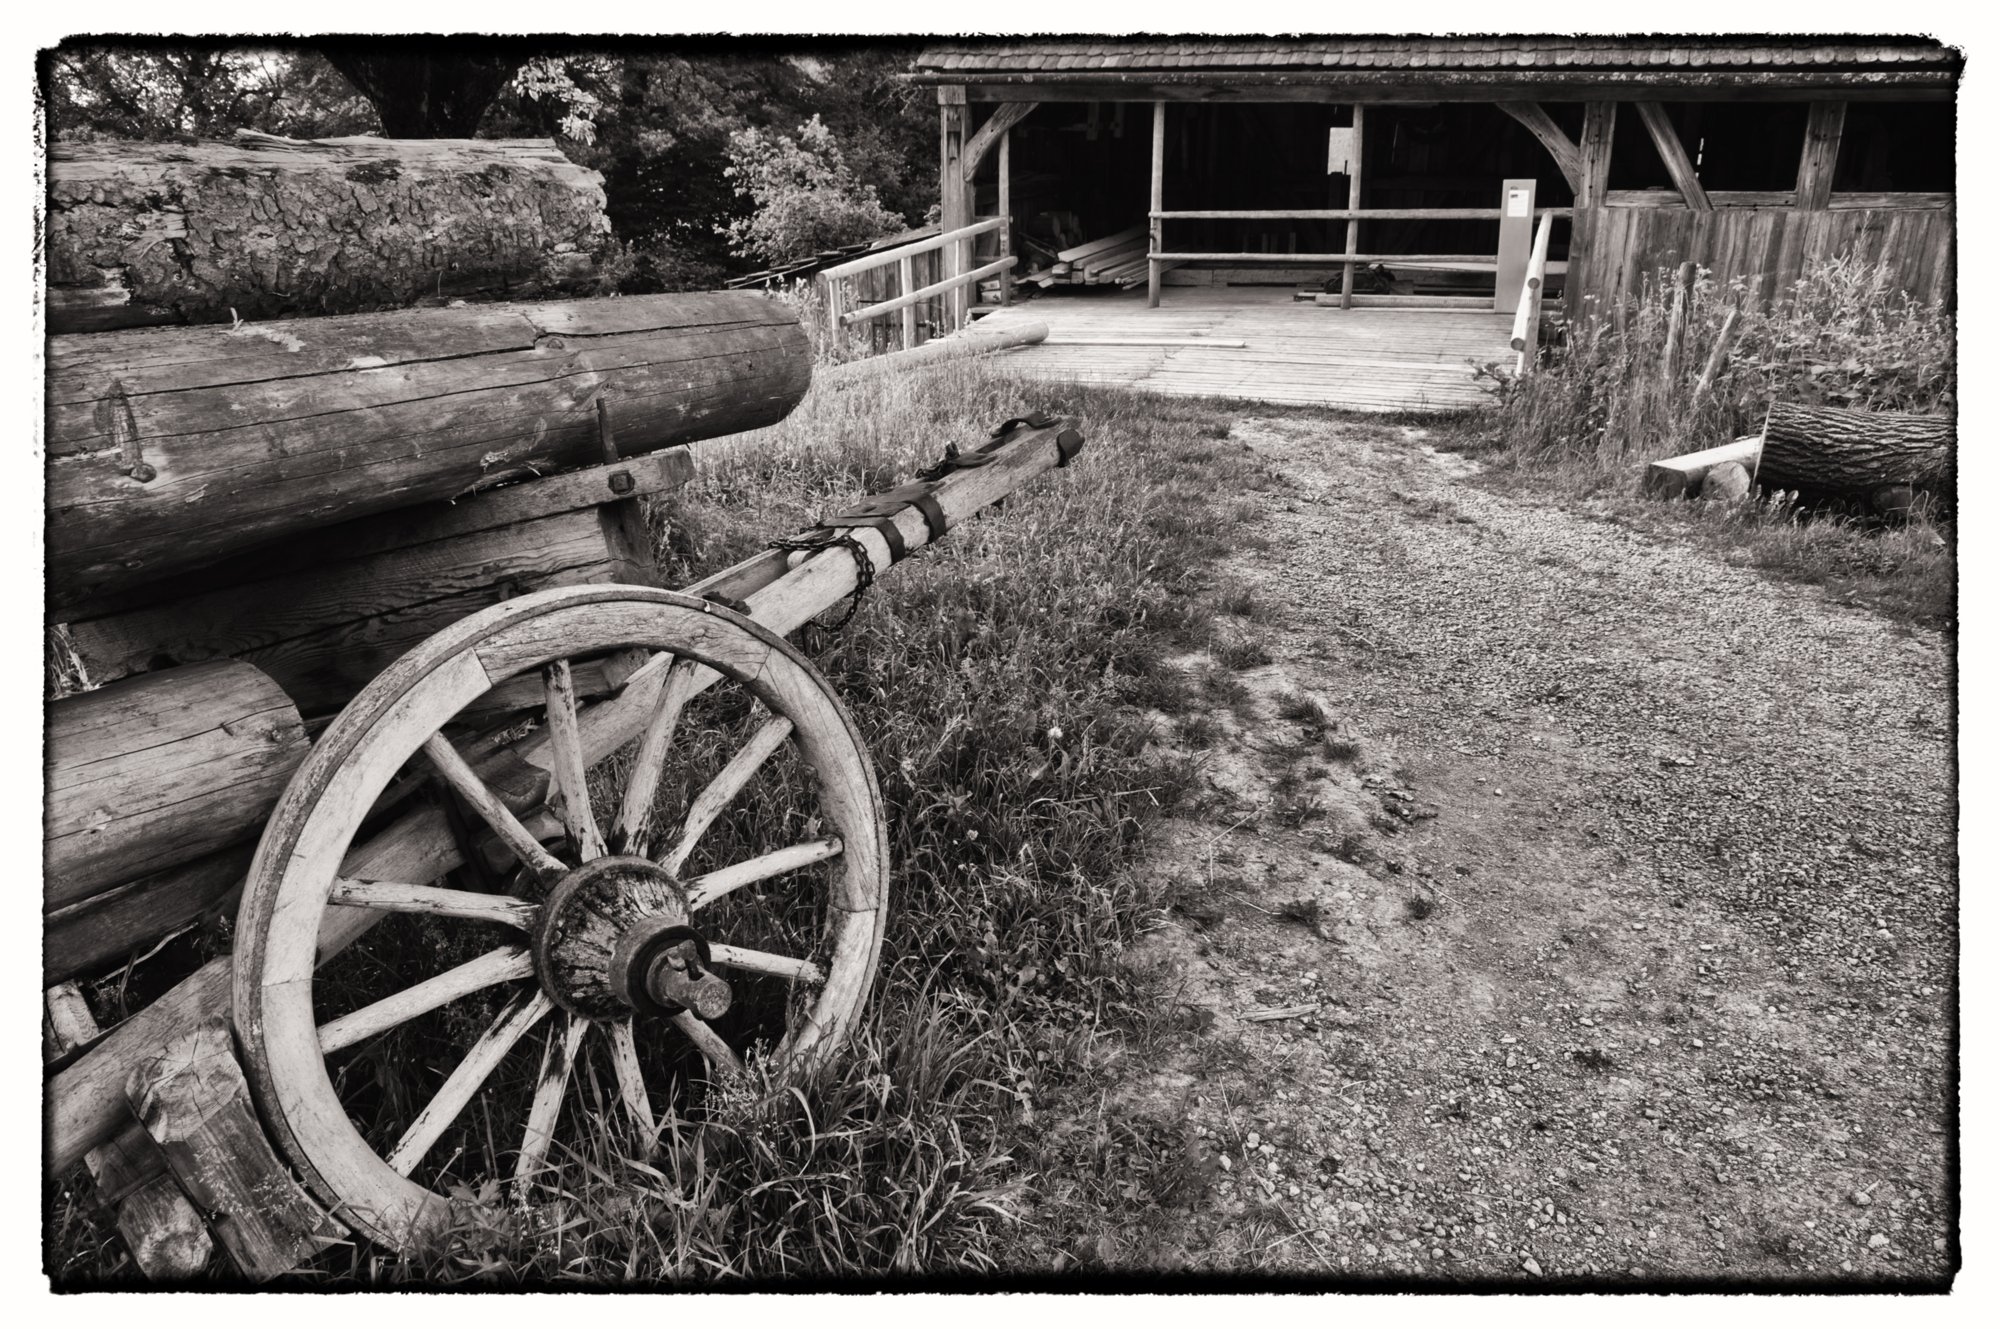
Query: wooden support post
x,y
1599,120
1006,213
1817,158
1353,225
832,287
954,196
906,273
167,1238
1673,155
1157,228
1517,242
192,1099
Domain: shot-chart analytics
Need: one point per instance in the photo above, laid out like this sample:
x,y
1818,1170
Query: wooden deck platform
x,y
1292,352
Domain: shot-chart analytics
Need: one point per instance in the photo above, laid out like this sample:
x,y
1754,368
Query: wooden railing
x,y
1347,261
1528,313
957,246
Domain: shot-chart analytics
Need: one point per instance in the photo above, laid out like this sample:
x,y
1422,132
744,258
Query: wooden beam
x,y
1600,119
1668,144
954,195
1820,153
1569,160
1004,118
1005,211
1427,85
1158,227
1352,242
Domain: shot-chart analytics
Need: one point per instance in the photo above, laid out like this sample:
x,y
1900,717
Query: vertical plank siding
x,y
1618,249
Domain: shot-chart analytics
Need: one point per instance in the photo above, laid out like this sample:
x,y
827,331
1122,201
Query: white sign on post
x,y
1340,151
1520,202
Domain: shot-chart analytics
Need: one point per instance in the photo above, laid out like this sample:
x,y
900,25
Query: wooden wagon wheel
x,y
613,932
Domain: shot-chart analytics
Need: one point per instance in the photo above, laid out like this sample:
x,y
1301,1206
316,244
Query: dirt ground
x,y
1600,896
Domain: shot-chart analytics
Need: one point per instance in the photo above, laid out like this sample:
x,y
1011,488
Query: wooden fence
x,y
932,297
1615,248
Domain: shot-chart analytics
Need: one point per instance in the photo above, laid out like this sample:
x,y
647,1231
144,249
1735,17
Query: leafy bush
x,y
805,195
1840,336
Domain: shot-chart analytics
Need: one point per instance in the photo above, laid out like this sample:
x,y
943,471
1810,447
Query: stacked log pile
x,y
173,448
263,227
261,518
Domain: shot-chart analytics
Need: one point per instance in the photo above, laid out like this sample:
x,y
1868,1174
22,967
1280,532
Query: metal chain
x,y
864,567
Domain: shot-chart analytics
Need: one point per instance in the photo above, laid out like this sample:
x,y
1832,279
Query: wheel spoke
x,y
727,784
566,746
763,962
497,966
719,1053
398,897
558,1057
712,886
463,779
632,1085
635,812
519,1016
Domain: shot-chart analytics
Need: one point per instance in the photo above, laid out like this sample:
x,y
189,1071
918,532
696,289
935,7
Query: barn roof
x,y
975,61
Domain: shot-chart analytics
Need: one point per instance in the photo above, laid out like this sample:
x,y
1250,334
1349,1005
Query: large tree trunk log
x,y
159,770
1821,448
171,448
150,233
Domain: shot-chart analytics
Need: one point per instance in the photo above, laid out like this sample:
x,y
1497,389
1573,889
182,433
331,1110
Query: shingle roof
x,y
957,61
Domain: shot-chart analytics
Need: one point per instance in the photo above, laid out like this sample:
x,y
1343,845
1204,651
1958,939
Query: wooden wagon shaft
x,y
262,227
1820,447
157,771
172,448
86,1098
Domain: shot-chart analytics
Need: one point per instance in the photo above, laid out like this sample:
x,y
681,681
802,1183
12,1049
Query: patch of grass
x,y
1608,400
1240,653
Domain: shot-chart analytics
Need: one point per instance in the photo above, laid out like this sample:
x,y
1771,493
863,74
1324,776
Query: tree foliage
x,y
805,195
171,92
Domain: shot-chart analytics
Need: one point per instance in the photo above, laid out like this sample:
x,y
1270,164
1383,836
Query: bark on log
x,y
1822,448
172,448
158,771
263,227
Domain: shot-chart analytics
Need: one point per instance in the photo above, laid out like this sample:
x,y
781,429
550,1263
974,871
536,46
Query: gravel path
x,y
1619,947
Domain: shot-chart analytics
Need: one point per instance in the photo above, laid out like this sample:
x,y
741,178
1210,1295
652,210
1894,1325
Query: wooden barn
x,y
1411,174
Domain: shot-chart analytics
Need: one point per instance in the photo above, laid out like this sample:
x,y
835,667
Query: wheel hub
x,y
614,938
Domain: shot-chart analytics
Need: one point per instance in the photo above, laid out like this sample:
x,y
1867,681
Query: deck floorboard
x,y
1293,352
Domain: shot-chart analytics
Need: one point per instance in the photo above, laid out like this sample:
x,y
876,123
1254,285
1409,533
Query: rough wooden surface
x,y
174,448
194,1103
1616,251
157,771
1820,447
167,1238
151,233
87,935
1258,344
1681,477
